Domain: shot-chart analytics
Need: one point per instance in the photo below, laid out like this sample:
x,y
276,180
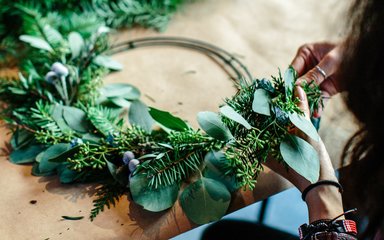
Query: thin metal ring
x,y
321,71
242,73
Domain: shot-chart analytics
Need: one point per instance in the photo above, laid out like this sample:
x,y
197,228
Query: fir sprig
x,y
107,196
175,161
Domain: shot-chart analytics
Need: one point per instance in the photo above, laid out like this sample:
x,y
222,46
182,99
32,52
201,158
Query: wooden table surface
x,y
266,34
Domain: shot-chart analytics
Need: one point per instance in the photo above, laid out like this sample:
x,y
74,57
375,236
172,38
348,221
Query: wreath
x,y
65,122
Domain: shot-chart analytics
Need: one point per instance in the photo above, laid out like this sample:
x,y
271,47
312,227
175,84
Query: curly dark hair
x,y
363,80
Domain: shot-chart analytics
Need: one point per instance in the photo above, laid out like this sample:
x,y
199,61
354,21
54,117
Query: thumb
x,y
303,101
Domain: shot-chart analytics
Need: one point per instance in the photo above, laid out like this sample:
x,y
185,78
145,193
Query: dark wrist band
x,y
321,182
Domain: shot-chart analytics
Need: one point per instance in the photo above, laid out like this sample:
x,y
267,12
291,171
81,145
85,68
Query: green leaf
x,y
219,169
57,115
62,157
76,119
91,138
205,200
304,125
211,123
260,102
119,173
76,44
301,157
121,90
21,138
51,153
107,62
36,171
233,115
25,155
66,175
36,42
152,199
72,218
168,120
17,91
139,115
23,81
120,102
289,80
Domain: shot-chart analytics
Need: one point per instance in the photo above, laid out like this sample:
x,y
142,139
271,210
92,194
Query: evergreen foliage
x,y
68,124
84,16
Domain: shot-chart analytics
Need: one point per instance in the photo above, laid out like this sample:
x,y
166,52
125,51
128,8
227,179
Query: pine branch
x,y
173,167
177,160
105,120
48,130
127,13
107,195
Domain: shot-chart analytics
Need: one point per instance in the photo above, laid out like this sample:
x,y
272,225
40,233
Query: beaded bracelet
x,y
321,182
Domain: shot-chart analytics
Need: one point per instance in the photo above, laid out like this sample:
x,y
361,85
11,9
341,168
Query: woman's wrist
x,y
324,202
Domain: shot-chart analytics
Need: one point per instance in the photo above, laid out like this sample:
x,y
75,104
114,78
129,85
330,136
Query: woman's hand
x,y
324,202
319,62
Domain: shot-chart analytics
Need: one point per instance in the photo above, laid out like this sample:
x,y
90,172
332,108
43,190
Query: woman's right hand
x,y
319,62
323,202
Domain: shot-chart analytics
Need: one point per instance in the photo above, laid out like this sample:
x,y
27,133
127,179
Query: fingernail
x,y
300,82
299,92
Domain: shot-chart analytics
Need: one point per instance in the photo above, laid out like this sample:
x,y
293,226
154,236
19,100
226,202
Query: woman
x,y
353,67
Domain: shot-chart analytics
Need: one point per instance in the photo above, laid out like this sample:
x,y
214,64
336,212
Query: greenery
x,y
65,122
84,16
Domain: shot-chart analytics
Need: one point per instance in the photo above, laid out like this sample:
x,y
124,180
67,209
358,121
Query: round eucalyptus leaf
x,y
205,200
91,138
304,125
36,171
119,173
62,157
57,115
76,119
120,102
21,138
122,90
211,123
261,103
230,113
218,168
25,155
301,157
152,199
76,43
52,152
139,115
289,80
39,156
36,42
66,175
107,62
